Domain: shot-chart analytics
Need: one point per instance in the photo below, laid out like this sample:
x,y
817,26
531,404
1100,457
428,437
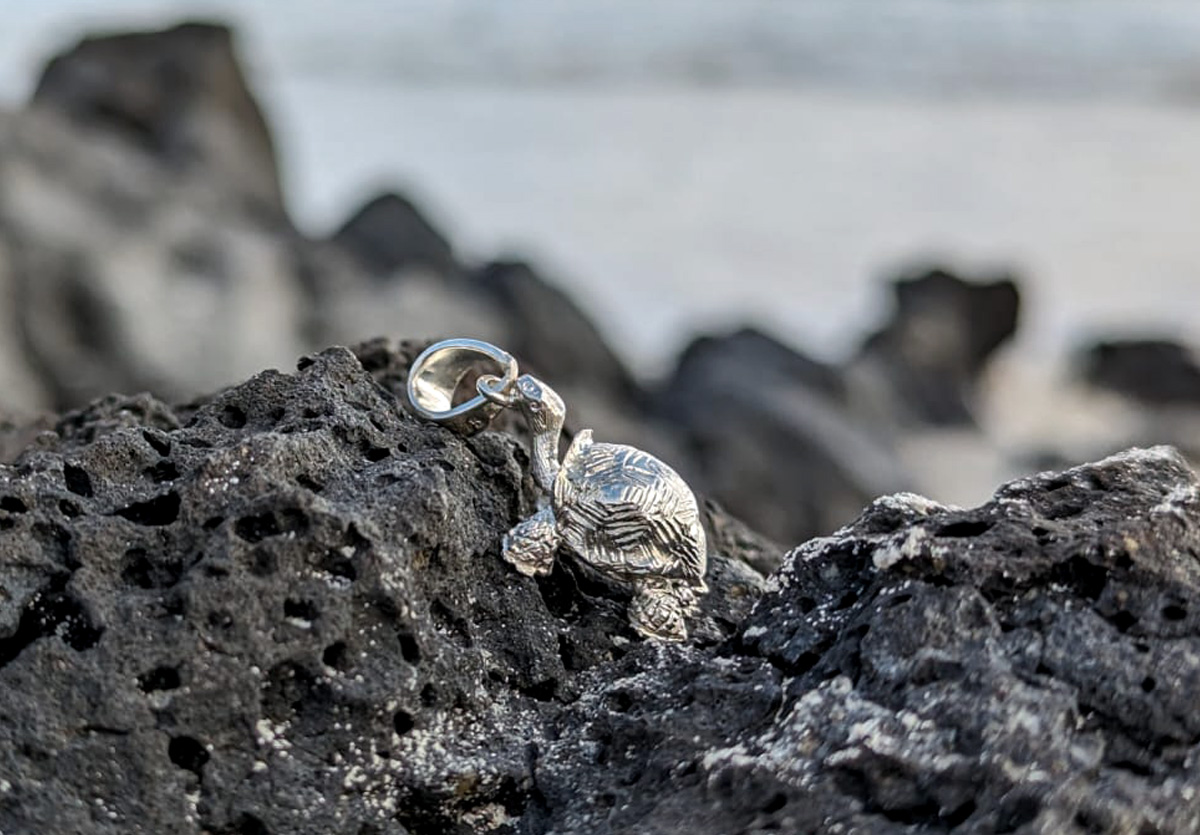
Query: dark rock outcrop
x,y
1154,372
178,94
282,609
389,233
1024,666
144,245
549,330
796,446
144,242
1147,390
928,358
773,436
124,274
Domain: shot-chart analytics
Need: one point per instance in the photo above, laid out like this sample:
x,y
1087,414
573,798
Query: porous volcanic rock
x,y
282,609
1029,665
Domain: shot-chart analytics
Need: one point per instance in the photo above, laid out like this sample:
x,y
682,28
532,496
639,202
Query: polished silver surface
x,y
621,510
438,372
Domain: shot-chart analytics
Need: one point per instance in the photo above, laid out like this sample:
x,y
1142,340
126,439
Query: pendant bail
x,y
438,372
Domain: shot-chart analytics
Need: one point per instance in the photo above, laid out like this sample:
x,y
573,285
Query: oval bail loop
x,y
439,371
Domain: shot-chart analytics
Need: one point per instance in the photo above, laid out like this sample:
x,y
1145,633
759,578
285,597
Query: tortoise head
x,y
542,407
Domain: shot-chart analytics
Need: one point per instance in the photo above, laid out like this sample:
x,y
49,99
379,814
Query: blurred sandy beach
x,y
672,210
697,165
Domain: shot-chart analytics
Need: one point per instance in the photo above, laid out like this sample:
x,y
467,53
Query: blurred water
x,y
1138,47
692,164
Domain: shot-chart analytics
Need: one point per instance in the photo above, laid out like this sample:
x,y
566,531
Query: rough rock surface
x,y
282,610
1027,666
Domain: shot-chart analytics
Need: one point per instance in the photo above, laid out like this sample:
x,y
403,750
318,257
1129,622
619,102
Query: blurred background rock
x,y
809,252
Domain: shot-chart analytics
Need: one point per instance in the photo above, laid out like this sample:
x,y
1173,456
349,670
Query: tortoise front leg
x,y
531,545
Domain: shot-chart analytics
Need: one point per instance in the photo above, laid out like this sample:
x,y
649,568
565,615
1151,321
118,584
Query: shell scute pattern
x,y
626,511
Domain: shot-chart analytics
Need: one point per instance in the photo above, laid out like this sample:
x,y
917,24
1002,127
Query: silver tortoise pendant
x,y
619,509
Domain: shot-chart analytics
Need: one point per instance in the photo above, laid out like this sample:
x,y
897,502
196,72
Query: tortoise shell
x,y
625,511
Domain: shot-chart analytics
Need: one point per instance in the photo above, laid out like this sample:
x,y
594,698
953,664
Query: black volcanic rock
x,y
773,436
178,94
756,352
123,273
944,329
1028,665
144,245
388,233
1155,372
282,609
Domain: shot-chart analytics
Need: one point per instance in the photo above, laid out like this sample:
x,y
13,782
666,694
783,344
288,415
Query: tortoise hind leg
x,y
689,594
658,609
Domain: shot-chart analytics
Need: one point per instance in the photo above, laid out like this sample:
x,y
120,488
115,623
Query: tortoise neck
x,y
545,457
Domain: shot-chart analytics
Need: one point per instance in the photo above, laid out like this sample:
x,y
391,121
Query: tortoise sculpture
x,y
620,510
623,511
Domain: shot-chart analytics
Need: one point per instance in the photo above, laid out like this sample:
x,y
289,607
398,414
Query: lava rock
x,y
144,243
178,94
759,354
283,609
927,360
420,285
1139,392
774,437
1024,666
1152,372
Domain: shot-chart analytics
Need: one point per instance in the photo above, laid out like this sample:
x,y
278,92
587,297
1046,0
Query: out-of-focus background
x,y
960,232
